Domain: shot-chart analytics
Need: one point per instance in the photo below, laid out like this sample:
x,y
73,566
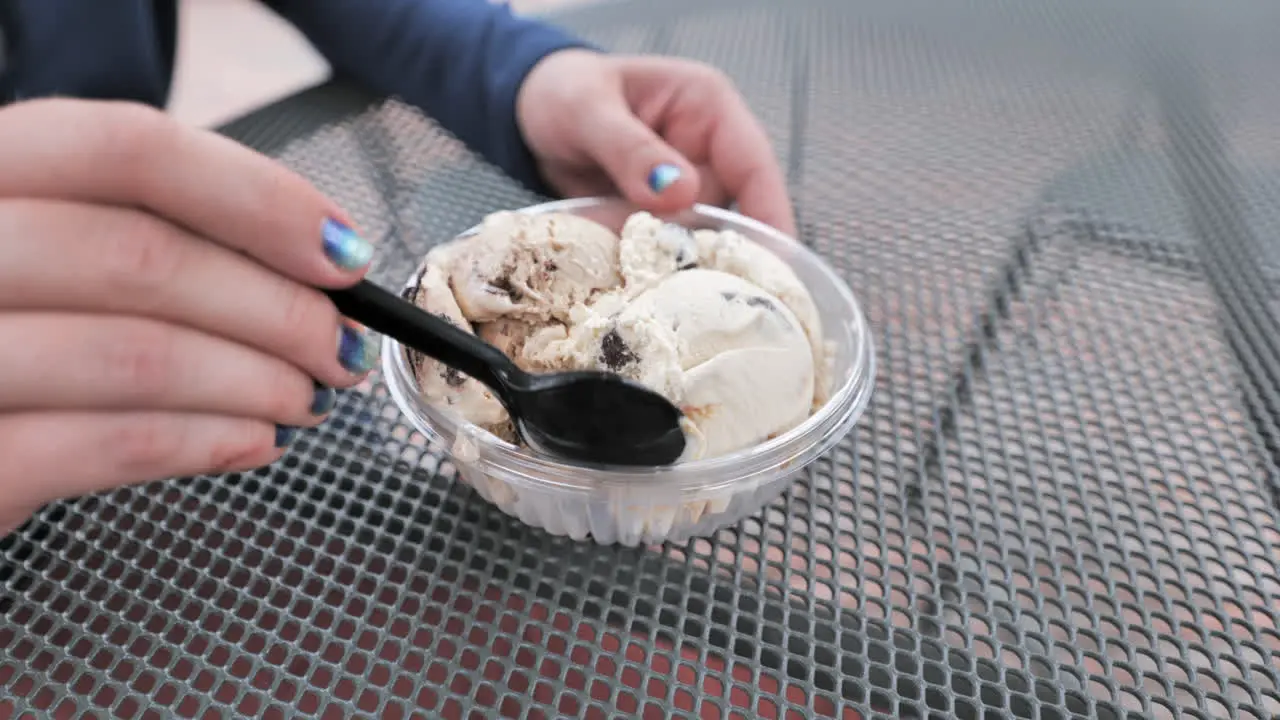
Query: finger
x,y
573,182
743,160
646,170
584,183
711,190
708,119
53,455
86,258
86,362
126,154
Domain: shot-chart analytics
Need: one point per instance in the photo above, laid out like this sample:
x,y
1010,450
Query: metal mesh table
x,y
1061,218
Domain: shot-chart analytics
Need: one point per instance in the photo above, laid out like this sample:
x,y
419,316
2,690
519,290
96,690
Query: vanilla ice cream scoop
x,y
533,267
524,342
733,358
650,250
734,254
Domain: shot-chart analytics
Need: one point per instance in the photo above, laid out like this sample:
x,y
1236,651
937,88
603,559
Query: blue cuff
x,y
461,61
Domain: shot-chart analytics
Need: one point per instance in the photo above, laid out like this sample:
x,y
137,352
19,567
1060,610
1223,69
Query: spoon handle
x,y
397,318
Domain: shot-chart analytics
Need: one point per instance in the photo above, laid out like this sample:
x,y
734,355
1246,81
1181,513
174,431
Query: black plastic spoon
x,y
588,417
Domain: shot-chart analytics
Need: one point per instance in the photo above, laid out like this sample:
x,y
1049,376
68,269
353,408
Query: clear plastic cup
x,y
632,506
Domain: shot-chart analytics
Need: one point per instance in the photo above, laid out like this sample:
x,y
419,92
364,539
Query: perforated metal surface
x,y
1061,219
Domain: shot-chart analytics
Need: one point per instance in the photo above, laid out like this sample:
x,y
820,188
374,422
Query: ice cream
x,y
531,268
717,324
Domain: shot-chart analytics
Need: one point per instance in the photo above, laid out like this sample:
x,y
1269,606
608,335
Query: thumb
x,y
644,168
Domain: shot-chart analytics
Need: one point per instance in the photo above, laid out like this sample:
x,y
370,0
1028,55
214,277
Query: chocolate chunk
x,y
686,260
687,251
550,266
414,289
750,300
614,353
415,360
502,286
452,377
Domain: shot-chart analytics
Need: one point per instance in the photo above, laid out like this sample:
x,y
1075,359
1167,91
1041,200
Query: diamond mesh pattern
x,y
1060,504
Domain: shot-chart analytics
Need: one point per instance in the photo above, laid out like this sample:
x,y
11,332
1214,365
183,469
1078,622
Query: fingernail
x,y
344,247
356,350
662,176
285,435
323,400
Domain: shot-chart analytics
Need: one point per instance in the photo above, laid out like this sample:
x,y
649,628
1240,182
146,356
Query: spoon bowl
x,y
597,418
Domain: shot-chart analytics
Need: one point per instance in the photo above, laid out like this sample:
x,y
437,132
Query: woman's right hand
x,y
158,316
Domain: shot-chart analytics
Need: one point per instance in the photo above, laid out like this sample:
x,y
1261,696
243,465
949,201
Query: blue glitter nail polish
x,y
323,400
344,247
285,435
662,177
356,350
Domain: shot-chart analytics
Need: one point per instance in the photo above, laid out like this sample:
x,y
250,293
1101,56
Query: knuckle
x,y
637,149
276,185
304,315
18,218
287,393
145,448
308,326
138,256
272,186
245,446
140,359
134,135
718,87
711,76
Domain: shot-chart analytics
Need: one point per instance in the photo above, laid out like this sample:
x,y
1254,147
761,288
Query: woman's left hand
x,y
662,132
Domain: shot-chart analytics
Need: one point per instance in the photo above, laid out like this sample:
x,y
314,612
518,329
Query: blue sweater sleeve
x,y
460,61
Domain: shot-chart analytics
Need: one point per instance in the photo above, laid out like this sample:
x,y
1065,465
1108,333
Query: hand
x,y
662,132
156,305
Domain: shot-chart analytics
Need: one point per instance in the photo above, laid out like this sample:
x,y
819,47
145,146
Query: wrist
x,y
550,83
547,78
